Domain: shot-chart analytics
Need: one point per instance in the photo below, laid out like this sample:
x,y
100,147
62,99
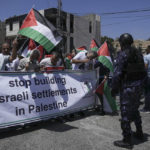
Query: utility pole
x,y
59,15
59,28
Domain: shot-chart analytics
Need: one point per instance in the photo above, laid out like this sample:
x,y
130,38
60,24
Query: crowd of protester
x,y
11,61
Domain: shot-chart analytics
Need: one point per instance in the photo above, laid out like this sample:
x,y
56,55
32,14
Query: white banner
x,y
29,97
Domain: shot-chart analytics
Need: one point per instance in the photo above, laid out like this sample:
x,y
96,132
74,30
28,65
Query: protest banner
x,y
29,97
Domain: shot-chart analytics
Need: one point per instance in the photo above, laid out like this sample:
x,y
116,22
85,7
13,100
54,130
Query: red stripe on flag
x,y
103,50
81,48
31,45
40,48
46,56
54,68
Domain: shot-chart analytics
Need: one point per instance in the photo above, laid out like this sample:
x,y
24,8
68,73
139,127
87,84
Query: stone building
x,y
76,30
2,33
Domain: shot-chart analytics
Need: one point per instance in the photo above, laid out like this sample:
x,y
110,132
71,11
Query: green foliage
x,y
110,44
106,38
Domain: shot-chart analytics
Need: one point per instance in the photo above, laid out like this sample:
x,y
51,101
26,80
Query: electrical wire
x,y
133,20
129,16
147,9
126,12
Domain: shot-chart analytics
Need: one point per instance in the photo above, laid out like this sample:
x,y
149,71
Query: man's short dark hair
x,y
56,54
36,51
6,43
93,53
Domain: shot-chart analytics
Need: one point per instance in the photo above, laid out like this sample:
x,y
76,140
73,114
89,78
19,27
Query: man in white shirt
x,y
31,63
146,107
5,56
83,60
50,61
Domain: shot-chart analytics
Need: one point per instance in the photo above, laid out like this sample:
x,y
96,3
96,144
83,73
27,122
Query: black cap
x,y
126,39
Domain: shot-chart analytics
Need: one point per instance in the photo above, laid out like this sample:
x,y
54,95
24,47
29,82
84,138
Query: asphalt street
x,y
91,132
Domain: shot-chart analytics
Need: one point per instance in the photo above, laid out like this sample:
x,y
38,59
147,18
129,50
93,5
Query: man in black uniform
x,y
128,80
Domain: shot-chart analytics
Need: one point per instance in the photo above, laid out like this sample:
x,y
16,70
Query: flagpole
x,y
23,46
59,28
17,36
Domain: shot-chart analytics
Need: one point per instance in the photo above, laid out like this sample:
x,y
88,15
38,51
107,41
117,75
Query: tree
x,y
106,38
110,45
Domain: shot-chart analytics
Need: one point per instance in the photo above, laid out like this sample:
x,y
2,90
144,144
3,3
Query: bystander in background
x,y
146,107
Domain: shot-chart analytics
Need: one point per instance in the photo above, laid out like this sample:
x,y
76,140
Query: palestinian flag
x,y
104,56
38,28
93,46
31,45
27,47
105,59
81,49
41,50
68,62
109,103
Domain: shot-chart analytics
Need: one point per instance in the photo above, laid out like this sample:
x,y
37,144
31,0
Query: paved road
x,y
93,132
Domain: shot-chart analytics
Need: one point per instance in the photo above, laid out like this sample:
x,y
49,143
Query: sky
x,y
112,25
